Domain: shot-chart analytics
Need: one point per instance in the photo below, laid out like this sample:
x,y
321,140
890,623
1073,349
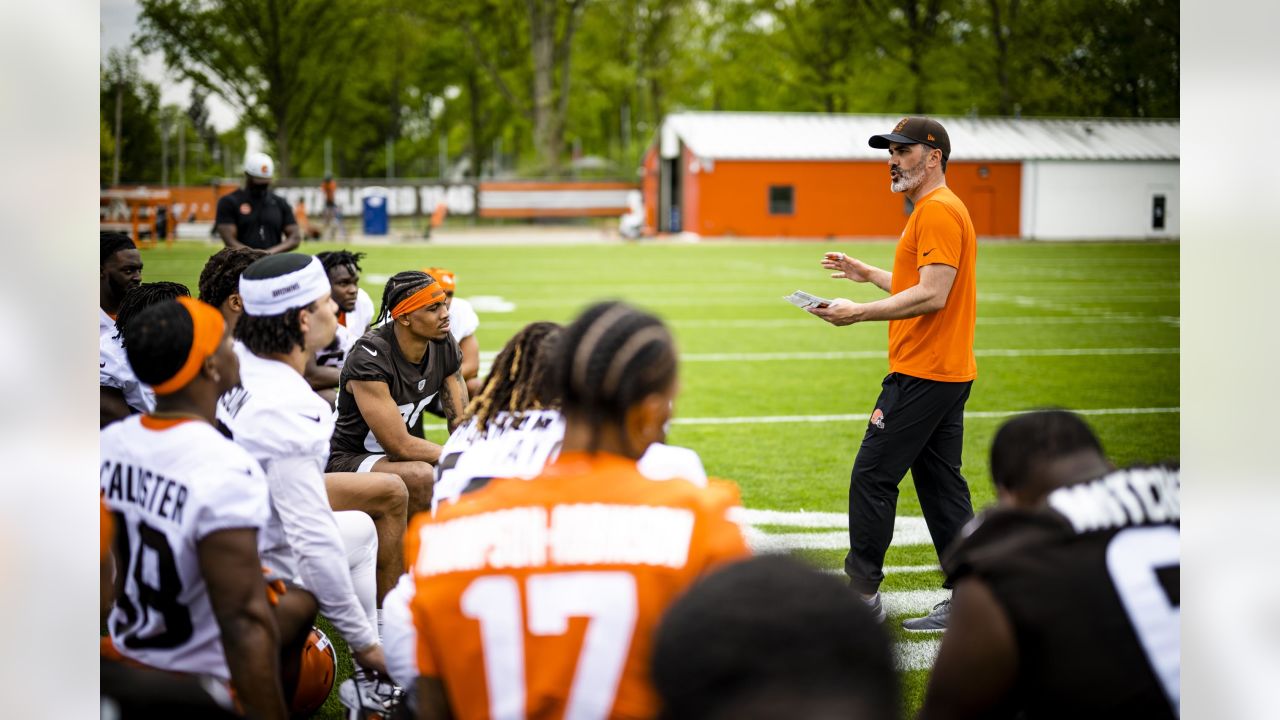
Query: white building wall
x,y
1102,200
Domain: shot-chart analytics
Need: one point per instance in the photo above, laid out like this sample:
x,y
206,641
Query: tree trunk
x,y
477,130
542,43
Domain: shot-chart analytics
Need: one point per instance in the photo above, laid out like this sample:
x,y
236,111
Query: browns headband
x,y
207,327
277,295
429,295
446,278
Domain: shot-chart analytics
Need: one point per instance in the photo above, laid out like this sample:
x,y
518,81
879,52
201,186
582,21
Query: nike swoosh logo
x,y
930,250
371,352
101,365
313,419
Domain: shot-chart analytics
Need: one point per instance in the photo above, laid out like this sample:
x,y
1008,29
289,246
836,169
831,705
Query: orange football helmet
x,y
315,679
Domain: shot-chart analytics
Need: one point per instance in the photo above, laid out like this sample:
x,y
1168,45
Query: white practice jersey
x,y
276,416
352,329
171,484
520,447
114,371
463,320
106,323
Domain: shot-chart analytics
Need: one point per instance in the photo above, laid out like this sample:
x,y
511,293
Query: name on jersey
x,y
578,534
150,491
234,399
1132,497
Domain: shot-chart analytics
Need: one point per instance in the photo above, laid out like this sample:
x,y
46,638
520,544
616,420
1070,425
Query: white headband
x,y
276,295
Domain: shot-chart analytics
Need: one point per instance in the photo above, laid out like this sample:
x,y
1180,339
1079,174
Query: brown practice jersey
x,y
376,356
1091,590
539,598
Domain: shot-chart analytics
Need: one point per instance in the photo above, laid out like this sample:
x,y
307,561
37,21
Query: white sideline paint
x,y
1099,319
916,654
906,531
880,354
971,415
892,569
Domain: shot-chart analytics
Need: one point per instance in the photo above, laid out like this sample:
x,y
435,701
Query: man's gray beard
x,y
908,181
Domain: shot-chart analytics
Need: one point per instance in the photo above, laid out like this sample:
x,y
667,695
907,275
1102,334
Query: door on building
x,y
1158,199
982,209
670,193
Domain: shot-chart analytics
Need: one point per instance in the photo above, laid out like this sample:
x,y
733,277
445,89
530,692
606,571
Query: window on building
x,y
782,200
1157,212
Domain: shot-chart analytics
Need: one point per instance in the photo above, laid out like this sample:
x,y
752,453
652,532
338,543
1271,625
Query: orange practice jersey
x,y
540,598
939,345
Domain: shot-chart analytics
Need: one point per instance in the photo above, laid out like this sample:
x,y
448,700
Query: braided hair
x,y
331,259
611,358
113,242
220,278
519,378
400,286
158,341
145,295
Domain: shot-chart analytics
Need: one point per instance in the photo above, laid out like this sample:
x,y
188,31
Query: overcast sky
x,y
119,20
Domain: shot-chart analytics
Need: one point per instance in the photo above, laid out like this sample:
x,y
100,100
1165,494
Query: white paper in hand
x,y
804,300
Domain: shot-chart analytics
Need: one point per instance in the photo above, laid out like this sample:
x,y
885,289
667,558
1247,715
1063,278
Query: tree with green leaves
x,y
279,63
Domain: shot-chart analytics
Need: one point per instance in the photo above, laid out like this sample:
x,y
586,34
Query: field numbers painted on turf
x,y
606,599
1134,557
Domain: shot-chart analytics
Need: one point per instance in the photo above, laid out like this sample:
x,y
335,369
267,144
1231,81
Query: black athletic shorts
x,y
340,461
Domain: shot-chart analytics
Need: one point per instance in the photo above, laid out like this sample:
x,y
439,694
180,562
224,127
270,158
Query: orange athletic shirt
x,y
537,597
938,345
330,188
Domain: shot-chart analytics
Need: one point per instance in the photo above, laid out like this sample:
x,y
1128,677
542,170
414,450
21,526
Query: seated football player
x,y
355,310
288,315
795,635
1066,599
219,283
514,426
508,578
189,505
390,376
119,270
120,393
463,323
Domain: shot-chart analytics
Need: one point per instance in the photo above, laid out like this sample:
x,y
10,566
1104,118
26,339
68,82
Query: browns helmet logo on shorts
x,y
877,418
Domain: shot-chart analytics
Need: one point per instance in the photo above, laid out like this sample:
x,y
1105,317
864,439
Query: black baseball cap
x,y
915,130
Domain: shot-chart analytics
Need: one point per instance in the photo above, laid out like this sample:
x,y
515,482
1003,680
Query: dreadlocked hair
x,y
142,296
158,341
611,358
331,259
220,278
113,242
400,286
518,380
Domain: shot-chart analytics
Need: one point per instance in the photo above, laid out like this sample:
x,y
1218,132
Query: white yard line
x,y
741,323
855,417
916,654
907,530
881,354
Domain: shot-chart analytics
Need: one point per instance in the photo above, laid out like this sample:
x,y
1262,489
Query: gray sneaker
x,y
876,607
935,621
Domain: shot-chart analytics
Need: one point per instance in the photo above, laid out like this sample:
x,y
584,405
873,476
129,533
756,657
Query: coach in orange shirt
x,y
918,421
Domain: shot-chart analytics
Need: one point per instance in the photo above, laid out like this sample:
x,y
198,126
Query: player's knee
x,y
419,478
391,495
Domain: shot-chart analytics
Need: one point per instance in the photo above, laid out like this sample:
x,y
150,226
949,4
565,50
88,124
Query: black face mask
x,y
257,190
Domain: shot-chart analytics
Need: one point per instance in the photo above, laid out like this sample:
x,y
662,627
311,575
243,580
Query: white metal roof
x,y
820,136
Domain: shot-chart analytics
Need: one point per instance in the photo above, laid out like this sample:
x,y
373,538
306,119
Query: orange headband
x,y
447,279
207,327
429,295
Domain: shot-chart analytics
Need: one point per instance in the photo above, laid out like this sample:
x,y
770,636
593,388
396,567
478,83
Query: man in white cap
x,y
255,217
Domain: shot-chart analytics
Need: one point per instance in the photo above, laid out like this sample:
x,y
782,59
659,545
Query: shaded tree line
x,y
554,87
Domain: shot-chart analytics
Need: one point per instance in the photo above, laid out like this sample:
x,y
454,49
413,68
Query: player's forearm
x,y
252,646
882,279
292,239
406,447
323,377
912,302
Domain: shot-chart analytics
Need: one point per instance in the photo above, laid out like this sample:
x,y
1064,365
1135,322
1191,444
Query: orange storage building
x,y
798,175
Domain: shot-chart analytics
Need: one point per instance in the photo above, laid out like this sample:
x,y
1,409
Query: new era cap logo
x,y
931,137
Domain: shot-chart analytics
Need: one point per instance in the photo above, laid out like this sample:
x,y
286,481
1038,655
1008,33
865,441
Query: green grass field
x,y
1090,327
